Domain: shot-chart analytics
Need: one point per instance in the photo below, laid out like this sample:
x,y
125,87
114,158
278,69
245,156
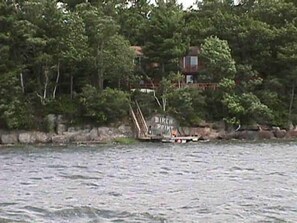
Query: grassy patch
x,y
125,140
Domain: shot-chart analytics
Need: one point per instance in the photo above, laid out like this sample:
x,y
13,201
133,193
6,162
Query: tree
x,y
13,108
241,104
287,54
104,106
109,52
133,20
164,43
217,56
118,59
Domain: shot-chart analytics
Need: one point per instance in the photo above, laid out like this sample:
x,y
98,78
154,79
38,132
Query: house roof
x,y
193,51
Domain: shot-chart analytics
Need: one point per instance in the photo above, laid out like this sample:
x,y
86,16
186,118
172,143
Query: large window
x,y
190,63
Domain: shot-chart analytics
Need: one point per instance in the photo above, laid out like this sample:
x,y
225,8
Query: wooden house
x,y
190,67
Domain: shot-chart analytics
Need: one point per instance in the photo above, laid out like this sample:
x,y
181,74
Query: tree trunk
x,y
71,86
163,68
119,83
291,102
46,82
57,80
22,82
164,102
100,66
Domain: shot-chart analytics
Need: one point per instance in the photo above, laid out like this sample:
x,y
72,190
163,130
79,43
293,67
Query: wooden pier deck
x,y
165,139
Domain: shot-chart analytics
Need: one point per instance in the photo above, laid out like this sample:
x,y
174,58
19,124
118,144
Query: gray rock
x,y
87,128
266,134
61,128
42,137
81,138
246,135
94,134
60,139
279,133
60,119
27,137
109,133
71,135
51,122
11,138
71,129
125,130
291,134
104,131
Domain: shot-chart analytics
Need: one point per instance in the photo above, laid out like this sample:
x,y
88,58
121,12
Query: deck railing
x,y
190,69
201,86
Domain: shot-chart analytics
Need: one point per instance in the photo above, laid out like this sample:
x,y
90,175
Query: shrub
x,y
104,107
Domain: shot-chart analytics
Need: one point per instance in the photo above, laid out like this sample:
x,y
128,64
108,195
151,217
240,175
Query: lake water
x,y
201,182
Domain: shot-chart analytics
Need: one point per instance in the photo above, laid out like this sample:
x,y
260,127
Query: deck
x,y
200,86
167,139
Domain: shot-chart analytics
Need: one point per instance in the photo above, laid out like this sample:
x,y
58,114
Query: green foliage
x,y
110,53
147,102
241,103
217,54
187,105
118,59
133,21
50,51
14,111
165,43
102,107
66,106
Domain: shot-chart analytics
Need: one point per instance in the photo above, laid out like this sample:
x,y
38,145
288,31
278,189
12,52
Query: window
x,y
194,61
191,63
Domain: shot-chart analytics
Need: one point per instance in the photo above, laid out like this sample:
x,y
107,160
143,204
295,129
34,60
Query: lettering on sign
x,y
162,125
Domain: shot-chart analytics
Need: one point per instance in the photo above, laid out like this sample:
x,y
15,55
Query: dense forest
x,y
74,58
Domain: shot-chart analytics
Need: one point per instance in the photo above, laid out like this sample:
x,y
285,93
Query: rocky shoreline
x,y
94,135
75,135
209,133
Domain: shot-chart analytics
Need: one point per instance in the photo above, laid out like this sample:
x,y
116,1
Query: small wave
x,y
5,204
165,168
90,214
277,173
276,219
80,177
115,194
91,184
80,167
35,178
56,166
25,183
198,209
77,215
237,168
6,220
36,209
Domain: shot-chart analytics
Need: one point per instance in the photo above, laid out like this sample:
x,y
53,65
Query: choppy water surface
x,y
202,182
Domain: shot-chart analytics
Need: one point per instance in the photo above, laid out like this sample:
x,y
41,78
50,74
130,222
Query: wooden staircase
x,y
139,121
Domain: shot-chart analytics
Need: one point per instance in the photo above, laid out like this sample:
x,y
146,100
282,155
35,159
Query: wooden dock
x,y
180,139
143,133
164,139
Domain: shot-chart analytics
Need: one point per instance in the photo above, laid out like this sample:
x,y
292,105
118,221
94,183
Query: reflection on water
x,y
202,182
